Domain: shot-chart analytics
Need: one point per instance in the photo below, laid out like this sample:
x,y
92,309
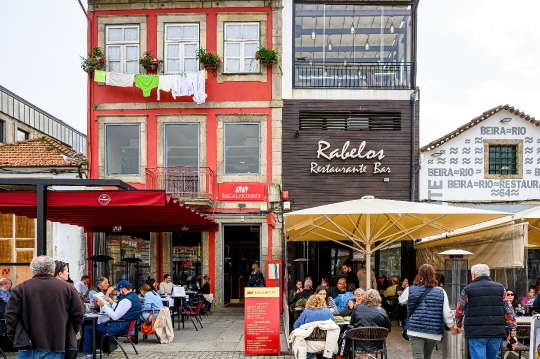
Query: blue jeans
x,y
484,348
87,337
40,354
314,356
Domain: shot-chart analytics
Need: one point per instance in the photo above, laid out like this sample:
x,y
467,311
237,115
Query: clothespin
x,y
205,74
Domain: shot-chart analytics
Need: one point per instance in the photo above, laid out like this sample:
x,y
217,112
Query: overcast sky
x,y
472,56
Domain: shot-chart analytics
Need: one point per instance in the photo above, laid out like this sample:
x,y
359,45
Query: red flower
x,y
102,60
219,61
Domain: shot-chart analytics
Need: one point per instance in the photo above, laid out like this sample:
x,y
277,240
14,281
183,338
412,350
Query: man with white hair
x,y
487,315
43,314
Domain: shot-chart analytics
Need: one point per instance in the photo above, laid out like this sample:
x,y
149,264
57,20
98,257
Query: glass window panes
x,y
132,247
241,148
2,130
186,256
22,135
182,144
122,150
503,160
241,43
181,44
122,49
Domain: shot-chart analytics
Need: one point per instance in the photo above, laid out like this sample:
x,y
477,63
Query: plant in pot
x,y
94,61
208,59
148,61
267,56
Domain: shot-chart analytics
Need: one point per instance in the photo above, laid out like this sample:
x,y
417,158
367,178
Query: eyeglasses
x,y
510,294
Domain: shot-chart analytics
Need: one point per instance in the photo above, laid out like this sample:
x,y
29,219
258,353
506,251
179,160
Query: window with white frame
x,y
241,43
181,44
122,150
182,144
122,48
242,150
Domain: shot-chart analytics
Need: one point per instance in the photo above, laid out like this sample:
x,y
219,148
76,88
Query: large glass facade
x,y
353,45
131,255
186,256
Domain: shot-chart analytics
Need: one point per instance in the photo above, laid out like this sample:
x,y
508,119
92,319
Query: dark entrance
x,y
241,249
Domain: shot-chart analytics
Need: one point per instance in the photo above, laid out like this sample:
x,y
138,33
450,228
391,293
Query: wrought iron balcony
x,y
372,75
193,185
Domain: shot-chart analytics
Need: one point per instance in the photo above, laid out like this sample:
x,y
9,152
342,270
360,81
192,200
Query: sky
x,y
472,56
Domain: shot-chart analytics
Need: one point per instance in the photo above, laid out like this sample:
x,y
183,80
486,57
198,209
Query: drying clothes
x,y
146,83
199,94
121,80
181,85
99,76
167,84
191,79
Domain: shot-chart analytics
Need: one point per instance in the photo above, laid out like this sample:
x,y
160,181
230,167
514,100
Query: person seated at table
x,y
205,290
166,287
316,310
351,304
325,281
103,286
151,301
321,292
340,288
513,301
128,308
528,299
343,298
369,314
153,284
298,288
305,293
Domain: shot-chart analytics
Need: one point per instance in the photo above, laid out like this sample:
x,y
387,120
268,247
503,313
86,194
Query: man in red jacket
x,y
39,303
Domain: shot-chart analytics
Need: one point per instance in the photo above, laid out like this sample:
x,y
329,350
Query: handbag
x,y
404,332
148,328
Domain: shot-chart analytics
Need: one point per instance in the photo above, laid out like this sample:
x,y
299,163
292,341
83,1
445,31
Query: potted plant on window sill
x,y
208,59
267,56
149,62
94,61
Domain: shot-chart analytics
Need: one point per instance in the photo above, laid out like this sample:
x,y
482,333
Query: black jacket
x,y
255,279
484,313
365,316
303,294
334,292
353,278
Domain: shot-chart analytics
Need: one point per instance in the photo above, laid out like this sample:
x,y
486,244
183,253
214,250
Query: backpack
x,y
259,282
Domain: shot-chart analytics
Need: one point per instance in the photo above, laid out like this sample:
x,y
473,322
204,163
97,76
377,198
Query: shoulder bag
x,y
404,332
148,328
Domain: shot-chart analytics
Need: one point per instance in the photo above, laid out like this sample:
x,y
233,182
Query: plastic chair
x,y
523,332
317,335
127,334
368,334
185,311
195,310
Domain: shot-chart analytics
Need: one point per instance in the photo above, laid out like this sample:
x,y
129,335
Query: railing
x,y
354,75
182,182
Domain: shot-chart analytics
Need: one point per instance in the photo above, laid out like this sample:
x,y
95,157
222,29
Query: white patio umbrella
x,y
369,224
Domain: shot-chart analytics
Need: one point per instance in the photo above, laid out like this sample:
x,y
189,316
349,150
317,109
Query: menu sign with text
x,y
261,321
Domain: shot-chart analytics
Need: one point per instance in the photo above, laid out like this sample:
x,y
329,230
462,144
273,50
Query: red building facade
x,y
221,157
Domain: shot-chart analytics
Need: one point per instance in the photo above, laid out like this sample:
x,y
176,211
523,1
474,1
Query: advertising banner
x,y
254,192
261,321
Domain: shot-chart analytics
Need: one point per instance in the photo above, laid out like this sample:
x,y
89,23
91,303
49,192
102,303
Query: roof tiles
x,y
37,152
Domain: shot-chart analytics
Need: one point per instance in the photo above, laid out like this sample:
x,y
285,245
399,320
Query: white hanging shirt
x,y
167,83
199,94
181,85
121,80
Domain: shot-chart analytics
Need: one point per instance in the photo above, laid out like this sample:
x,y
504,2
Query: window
x,y
2,131
181,44
122,49
241,43
22,135
503,160
182,144
349,121
122,150
242,148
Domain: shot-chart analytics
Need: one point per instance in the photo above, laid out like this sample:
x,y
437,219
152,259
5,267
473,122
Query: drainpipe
x,y
413,142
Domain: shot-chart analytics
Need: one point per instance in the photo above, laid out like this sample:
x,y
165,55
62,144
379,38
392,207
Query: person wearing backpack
x,y
256,279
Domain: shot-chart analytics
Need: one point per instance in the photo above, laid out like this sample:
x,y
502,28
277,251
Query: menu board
x,y
261,321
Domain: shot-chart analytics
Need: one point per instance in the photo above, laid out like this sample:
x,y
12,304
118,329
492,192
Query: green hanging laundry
x,y
146,83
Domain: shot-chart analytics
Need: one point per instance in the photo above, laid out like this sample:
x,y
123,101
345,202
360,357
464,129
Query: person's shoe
x,y
86,356
132,337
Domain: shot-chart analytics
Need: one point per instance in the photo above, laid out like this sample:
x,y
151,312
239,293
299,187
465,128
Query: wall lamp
x,y
296,133
505,120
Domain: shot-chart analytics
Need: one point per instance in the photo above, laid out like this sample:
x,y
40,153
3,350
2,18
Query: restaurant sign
x,y
359,153
254,192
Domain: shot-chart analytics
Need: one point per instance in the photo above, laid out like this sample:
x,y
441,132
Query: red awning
x,y
100,211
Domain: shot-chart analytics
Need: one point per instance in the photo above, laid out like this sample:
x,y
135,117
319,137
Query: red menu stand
x,y
261,321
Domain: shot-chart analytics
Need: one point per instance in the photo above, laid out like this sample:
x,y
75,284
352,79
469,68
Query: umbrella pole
x,y
368,266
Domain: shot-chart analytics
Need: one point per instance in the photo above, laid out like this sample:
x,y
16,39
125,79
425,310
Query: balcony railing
x,y
388,76
185,183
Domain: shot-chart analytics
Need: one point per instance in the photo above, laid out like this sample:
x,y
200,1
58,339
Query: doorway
x,y
241,249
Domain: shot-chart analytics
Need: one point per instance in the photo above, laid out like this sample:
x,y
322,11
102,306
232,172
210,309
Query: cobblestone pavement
x,y
223,338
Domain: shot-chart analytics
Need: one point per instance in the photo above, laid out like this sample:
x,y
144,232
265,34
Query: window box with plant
x,y
267,56
149,62
94,61
208,59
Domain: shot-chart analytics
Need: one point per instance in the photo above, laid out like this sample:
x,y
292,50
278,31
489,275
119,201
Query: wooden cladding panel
x,y
309,189
5,250
24,243
6,225
24,227
25,256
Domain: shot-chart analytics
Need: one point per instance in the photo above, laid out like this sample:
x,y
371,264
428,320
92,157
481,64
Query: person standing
x,y
256,279
431,312
362,273
487,313
30,309
61,270
82,286
166,287
350,275
5,288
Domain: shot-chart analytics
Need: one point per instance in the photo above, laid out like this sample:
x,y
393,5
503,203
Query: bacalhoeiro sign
x,y
241,192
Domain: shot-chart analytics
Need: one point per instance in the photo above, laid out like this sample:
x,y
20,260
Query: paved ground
x,y
223,337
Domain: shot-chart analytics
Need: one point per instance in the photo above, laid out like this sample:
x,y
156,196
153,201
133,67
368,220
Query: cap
x,y
122,284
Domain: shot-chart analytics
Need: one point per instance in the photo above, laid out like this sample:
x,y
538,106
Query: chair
x,y
317,335
142,318
523,332
207,307
368,334
185,311
127,334
392,305
195,310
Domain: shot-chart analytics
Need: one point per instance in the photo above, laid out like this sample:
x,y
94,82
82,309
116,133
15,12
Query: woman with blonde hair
x,y
370,314
316,310
256,279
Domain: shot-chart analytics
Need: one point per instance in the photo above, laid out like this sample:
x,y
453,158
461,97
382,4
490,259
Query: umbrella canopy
x,y
369,224
531,215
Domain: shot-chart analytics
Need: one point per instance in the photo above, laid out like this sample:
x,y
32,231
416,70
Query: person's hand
x,y
458,330
350,304
100,303
515,342
454,331
109,291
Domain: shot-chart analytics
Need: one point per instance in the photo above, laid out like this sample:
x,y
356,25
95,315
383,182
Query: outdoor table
x,y
178,304
93,318
524,320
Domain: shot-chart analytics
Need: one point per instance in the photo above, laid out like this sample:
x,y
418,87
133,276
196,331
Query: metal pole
x,y
41,245
368,266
